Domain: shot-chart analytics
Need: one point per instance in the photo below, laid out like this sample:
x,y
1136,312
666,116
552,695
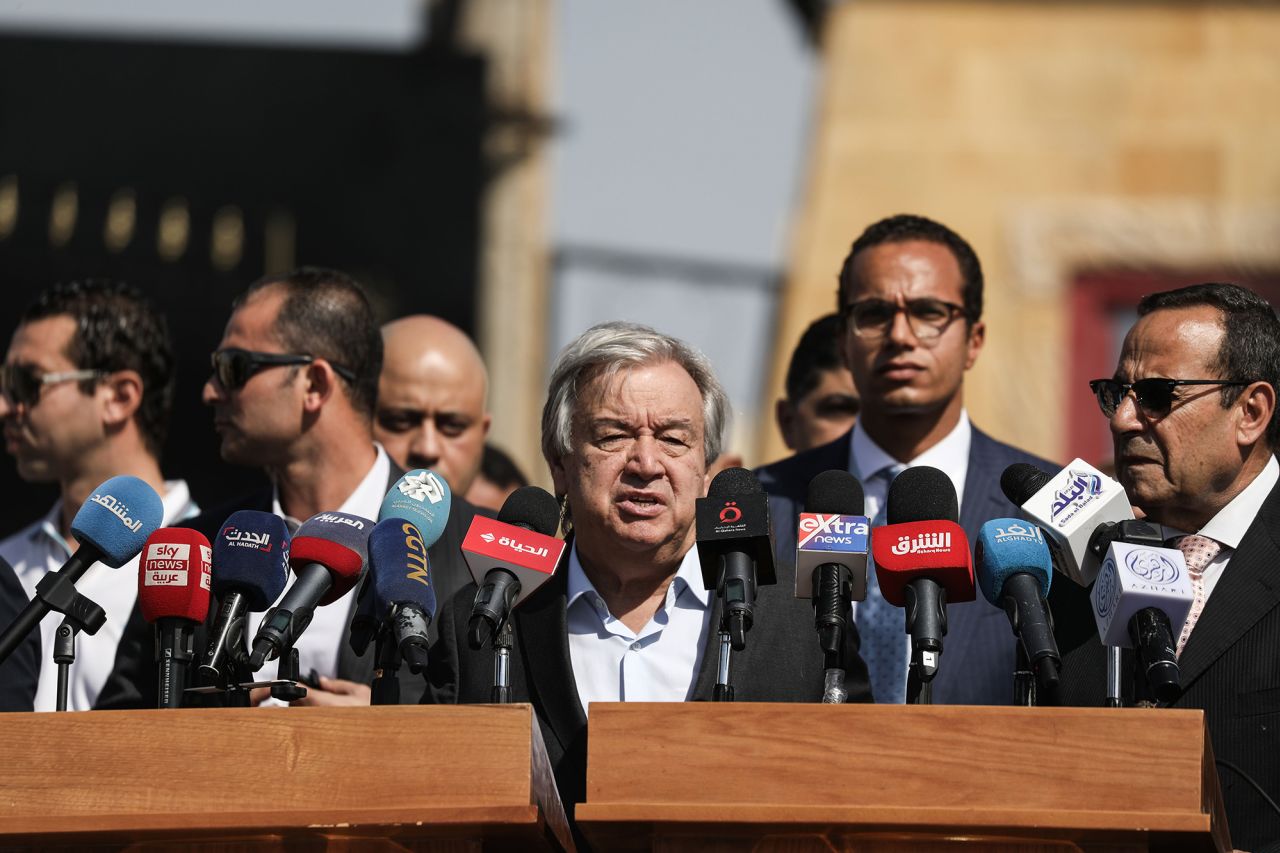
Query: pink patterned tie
x,y
1199,552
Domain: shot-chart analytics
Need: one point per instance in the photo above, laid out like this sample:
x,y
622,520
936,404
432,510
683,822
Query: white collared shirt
x,y
1229,525
611,663
39,549
318,645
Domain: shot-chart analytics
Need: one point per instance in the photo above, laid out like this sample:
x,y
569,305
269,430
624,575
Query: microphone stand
x,y
723,691
386,678
502,664
1024,680
64,654
288,673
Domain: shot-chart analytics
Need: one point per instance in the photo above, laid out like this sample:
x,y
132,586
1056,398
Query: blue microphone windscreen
x,y
399,566
422,497
251,556
117,519
1005,547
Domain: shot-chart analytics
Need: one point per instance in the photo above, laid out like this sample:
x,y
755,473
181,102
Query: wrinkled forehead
x,y
1175,343
658,390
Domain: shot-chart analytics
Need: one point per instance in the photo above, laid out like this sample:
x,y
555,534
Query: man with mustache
x,y
1192,410
910,296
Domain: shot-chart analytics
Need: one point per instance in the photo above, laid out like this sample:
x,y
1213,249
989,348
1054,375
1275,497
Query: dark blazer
x,y
978,652
1230,668
133,682
19,673
781,663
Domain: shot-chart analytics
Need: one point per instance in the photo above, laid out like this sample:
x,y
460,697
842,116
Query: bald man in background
x,y
432,407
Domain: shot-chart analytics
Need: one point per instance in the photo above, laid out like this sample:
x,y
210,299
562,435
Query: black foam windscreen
x,y
922,494
733,481
1021,480
532,508
834,492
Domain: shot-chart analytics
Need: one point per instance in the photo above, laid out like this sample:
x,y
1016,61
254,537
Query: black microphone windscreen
x,y
922,494
834,492
734,481
1021,480
532,508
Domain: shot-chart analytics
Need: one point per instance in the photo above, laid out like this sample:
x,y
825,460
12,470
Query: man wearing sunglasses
x,y
87,387
910,295
293,388
1193,416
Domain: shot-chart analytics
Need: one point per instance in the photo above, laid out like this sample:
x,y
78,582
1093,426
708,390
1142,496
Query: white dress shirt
x,y
39,549
950,456
611,663
1229,525
318,645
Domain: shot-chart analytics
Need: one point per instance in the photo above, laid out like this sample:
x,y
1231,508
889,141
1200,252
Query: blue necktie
x,y
881,626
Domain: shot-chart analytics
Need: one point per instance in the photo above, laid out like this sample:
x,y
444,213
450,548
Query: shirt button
x,y
635,647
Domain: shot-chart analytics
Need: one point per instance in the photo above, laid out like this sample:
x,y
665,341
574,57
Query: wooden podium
x,y
386,778
890,777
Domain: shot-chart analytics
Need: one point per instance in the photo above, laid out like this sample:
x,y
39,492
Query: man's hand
x,y
336,691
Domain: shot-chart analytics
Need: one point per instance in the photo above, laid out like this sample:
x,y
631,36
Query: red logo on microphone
x,y
730,513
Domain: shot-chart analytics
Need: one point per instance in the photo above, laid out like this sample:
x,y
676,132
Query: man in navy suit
x,y
1192,410
910,297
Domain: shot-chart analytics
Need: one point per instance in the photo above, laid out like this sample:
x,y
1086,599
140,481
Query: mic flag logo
x,y
1151,566
246,539
924,543
848,531
119,510
488,537
423,487
1081,488
730,514
416,556
1017,532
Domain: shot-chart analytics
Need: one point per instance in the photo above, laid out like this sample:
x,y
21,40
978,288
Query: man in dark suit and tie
x,y
631,420
910,295
293,389
1192,408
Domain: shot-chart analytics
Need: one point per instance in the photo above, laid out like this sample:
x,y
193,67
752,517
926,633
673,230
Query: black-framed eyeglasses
x,y
928,318
1154,395
233,367
22,383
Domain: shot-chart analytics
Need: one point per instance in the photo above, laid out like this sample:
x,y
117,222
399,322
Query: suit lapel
x,y
982,501
1248,589
542,627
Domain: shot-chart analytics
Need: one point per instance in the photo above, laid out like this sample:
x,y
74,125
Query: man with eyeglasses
x,y
87,391
1193,416
910,295
293,390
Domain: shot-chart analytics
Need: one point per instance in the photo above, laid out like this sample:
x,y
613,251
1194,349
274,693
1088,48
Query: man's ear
x,y
1255,407
785,414
977,337
322,384
121,396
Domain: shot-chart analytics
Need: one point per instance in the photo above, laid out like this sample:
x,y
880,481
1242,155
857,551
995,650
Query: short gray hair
x,y
605,349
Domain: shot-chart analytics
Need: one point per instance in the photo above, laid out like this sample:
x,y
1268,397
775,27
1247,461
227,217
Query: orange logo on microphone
x,y
730,513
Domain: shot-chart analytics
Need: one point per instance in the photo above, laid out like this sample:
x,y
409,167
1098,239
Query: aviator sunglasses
x,y
22,383
233,367
1154,395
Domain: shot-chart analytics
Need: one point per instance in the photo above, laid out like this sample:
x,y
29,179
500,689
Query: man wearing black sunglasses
x,y
910,295
85,394
1193,416
293,388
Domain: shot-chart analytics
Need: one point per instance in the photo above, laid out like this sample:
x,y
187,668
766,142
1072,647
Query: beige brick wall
x,y
1054,136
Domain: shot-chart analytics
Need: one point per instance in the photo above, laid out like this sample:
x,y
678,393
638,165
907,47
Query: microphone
x,y
327,554
831,553
1141,600
509,557
251,567
735,546
922,560
422,498
1015,571
173,592
400,580
1070,506
111,527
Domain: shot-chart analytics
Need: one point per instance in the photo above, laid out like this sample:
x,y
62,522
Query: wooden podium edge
x,y
1211,801
545,793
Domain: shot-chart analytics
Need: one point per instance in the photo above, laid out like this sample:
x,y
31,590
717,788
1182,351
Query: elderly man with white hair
x,y
632,420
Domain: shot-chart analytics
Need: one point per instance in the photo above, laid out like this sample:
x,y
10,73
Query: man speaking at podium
x,y
631,421
1193,416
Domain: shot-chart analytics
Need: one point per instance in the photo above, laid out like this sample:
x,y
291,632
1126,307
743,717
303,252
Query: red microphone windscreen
x,y
936,550
344,564
174,575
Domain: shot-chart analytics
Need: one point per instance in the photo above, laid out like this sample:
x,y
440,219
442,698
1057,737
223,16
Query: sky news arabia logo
x,y
422,487
119,510
1151,566
236,538
1016,532
1081,488
924,543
